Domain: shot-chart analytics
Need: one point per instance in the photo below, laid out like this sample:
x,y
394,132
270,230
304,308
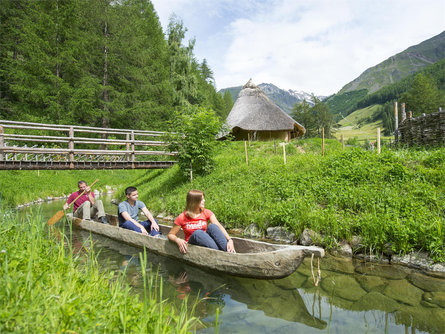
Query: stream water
x,y
351,297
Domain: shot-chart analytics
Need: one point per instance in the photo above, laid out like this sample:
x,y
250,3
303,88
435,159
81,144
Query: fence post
x,y
284,152
322,141
342,142
378,140
396,125
245,152
127,147
71,147
132,149
2,143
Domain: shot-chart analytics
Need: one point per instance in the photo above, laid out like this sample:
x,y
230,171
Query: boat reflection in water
x,y
351,297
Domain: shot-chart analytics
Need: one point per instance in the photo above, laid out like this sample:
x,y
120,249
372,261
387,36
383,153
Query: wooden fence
x,y
25,145
425,130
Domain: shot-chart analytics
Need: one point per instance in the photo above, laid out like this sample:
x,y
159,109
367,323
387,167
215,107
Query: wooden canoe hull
x,y
254,259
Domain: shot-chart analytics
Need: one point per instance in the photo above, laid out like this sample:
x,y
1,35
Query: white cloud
x,y
317,46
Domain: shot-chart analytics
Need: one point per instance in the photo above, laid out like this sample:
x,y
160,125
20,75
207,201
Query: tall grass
x,y
46,288
395,199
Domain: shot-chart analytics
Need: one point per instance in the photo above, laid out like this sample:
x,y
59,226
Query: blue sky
x,y
316,46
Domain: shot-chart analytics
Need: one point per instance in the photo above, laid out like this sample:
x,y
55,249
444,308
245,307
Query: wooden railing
x,y
55,146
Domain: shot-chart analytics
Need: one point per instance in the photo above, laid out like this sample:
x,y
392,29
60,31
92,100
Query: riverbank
x,y
49,286
393,202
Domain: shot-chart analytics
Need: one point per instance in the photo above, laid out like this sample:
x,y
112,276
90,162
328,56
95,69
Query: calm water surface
x,y
351,297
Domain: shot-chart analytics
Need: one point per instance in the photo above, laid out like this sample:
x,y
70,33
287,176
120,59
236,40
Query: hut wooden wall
x,y
240,134
427,130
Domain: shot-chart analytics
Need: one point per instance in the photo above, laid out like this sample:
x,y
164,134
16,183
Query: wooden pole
x,y
245,151
342,142
71,147
378,140
127,146
284,153
322,141
191,172
2,143
396,120
132,149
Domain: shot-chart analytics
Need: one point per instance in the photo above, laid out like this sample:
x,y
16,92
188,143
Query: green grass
x,y
46,288
396,197
357,125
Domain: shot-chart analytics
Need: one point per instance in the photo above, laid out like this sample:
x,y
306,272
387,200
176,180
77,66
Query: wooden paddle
x,y
59,214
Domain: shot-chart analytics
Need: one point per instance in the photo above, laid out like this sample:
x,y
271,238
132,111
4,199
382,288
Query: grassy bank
x,y
45,288
18,187
395,199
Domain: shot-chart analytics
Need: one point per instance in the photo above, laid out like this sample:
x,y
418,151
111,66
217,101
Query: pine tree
x,y
423,96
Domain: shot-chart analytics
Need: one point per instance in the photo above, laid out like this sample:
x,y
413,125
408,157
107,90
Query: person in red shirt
x,y
193,222
86,205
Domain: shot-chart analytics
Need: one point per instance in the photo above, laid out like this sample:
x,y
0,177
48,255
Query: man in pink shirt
x,y
86,206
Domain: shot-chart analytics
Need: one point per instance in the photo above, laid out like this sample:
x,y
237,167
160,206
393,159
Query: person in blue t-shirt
x,y
128,213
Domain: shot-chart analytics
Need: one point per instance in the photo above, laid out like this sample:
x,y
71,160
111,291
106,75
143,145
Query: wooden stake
x,y
71,147
191,172
396,125
245,151
2,142
284,152
378,140
322,141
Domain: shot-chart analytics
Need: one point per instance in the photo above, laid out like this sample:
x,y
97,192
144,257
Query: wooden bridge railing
x,y
70,152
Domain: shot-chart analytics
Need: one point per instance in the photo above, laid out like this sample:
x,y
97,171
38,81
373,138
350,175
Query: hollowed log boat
x,y
253,258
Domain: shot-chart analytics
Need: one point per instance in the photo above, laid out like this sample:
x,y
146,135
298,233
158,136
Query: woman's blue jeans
x,y
213,238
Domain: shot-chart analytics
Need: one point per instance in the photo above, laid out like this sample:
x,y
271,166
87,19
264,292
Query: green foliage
x,y
195,139
314,118
423,96
98,63
341,105
47,287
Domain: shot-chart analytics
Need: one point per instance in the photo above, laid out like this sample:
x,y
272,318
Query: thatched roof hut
x,y
255,117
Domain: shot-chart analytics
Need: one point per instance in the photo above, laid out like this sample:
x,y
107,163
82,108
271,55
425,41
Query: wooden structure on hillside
x,y
35,146
425,130
255,117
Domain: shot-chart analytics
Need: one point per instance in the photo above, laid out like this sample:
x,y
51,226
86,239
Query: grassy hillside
x,y
397,197
359,124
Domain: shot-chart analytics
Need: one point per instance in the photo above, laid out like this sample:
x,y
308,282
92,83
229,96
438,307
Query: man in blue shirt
x,y
129,212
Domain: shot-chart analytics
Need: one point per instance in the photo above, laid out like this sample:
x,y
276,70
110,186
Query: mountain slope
x,y
399,66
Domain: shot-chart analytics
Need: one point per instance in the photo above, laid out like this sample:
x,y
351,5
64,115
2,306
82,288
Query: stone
x,y
343,286
437,298
345,249
382,270
356,242
338,264
307,237
375,301
280,234
371,283
403,291
252,231
426,283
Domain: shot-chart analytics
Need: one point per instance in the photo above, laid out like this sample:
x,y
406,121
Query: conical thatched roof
x,y
254,111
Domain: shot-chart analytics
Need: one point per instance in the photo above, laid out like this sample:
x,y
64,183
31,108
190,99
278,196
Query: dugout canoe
x,y
255,259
